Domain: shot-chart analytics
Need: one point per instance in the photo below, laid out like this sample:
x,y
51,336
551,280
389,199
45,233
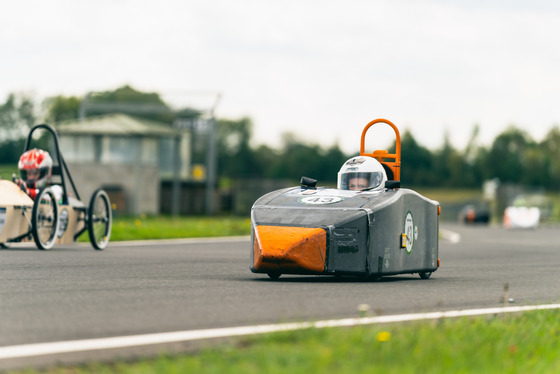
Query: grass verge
x,y
6,171
508,343
168,227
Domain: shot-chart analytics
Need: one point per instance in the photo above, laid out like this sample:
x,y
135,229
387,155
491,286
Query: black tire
x,y
274,275
425,275
99,219
45,219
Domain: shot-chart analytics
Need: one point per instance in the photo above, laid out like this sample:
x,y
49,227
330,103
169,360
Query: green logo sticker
x,y
409,231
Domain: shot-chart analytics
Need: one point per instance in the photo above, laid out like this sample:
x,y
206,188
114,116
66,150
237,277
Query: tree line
x,y
513,157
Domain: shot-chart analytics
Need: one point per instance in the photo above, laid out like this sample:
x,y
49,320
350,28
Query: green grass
x,y
6,171
168,227
525,343
451,195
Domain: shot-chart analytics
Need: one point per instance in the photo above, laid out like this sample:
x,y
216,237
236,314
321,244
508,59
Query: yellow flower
x,y
138,222
383,336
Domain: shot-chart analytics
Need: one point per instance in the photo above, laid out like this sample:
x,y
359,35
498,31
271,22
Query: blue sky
x,y
318,69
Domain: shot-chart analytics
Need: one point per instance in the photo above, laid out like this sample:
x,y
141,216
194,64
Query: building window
x,y
123,150
77,148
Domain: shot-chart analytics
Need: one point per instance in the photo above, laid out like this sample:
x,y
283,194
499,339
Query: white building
x,y
125,155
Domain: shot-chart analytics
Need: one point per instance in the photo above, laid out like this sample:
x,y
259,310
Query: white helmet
x,y
360,173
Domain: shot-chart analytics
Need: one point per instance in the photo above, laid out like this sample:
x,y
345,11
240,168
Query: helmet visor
x,y
35,177
359,181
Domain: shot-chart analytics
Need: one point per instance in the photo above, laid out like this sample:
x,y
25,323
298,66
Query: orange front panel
x,y
289,249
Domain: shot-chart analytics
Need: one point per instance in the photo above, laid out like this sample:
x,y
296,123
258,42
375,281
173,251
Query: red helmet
x,y
35,167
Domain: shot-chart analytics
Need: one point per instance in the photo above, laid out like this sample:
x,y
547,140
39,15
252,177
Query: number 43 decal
x,y
320,200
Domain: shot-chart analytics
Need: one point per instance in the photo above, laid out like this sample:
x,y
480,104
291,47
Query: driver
x,y
361,173
35,167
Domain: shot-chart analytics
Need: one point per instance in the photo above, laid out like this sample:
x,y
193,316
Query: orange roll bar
x,y
380,155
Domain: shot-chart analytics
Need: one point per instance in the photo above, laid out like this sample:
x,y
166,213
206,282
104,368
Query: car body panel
x,y
363,229
14,205
15,215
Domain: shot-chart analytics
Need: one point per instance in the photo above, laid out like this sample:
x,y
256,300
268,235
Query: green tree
x,y
332,159
298,158
17,115
267,157
507,158
416,163
236,159
124,99
62,108
127,100
534,168
550,147
473,174
451,167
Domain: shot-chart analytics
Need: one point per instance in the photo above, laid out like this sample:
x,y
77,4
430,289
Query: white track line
x,y
217,239
453,237
30,350
126,243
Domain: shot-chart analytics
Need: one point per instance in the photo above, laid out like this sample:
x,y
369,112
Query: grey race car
x,y
373,231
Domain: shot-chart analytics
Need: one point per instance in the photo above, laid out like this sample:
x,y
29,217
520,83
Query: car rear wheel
x,y
425,275
45,219
99,219
274,275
